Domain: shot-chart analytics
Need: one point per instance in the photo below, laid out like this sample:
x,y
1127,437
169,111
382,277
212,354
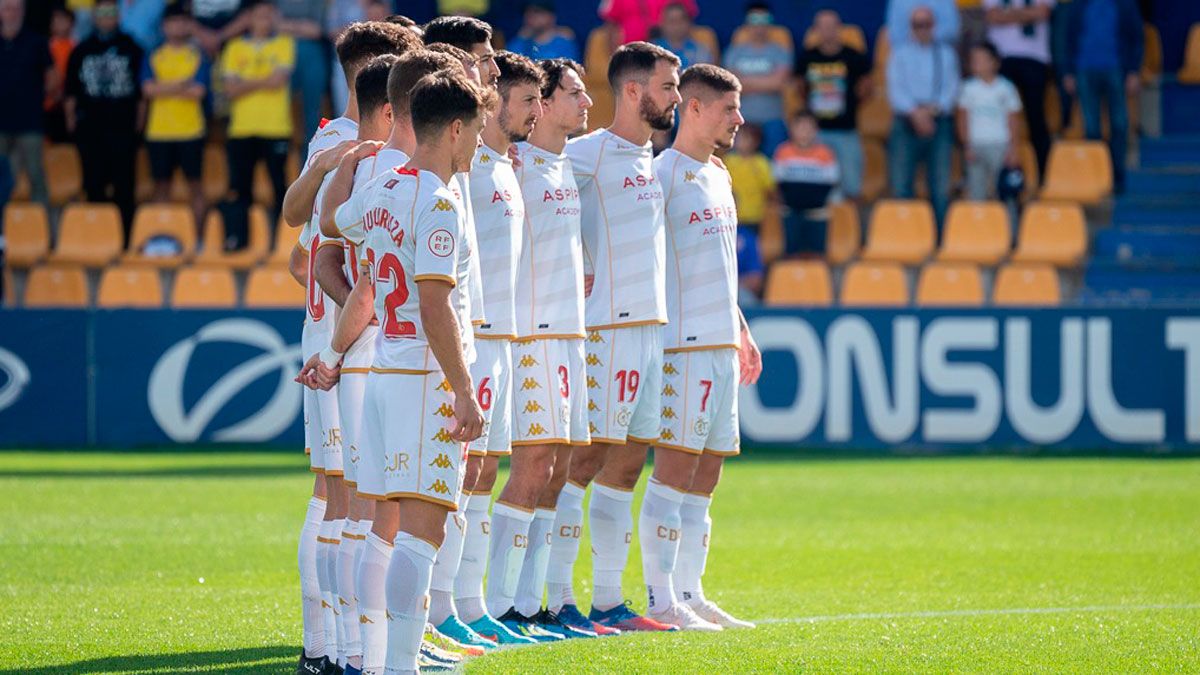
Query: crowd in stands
x,y
244,83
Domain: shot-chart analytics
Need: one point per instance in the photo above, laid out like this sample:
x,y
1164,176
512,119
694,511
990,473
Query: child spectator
x,y
753,188
175,82
62,42
807,171
988,110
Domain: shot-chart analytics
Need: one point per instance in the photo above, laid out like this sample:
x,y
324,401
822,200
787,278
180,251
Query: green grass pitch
x,y
164,563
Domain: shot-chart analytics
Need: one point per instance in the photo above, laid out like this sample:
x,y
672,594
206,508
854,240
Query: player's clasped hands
x,y
317,375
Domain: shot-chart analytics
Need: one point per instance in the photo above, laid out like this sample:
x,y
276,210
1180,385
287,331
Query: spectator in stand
x,y
142,21
304,20
62,43
25,70
922,81
1104,56
833,78
105,111
257,68
6,187
807,172
342,13
1020,30
637,18
175,82
947,21
217,21
675,35
541,37
988,112
753,188
763,67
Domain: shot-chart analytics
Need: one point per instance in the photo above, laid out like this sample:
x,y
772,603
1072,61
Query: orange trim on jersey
x,y
351,484
548,441
477,322
355,537
550,336
579,444
317,470
630,324
643,441
499,453
477,453
436,277
399,371
355,371
307,452
485,336
334,473
396,496
328,540
700,348
723,453
601,440
699,493
678,448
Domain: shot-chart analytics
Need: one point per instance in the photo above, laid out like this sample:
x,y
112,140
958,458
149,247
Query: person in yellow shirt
x,y
257,70
753,188
175,82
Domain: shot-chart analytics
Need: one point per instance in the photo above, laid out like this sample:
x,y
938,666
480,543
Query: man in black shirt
x,y
24,69
832,79
105,111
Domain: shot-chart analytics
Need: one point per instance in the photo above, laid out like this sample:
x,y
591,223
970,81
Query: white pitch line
x,y
937,614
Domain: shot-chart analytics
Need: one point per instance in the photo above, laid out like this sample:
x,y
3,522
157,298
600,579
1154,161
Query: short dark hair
x,y
988,47
408,70
555,69
461,31
516,69
371,83
450,50
365,40
706,81
398,19
635,61
803,116
442,97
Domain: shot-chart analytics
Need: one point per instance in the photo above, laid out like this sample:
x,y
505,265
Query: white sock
x,y
658,532
327,551
372,602
510,539
693,548
310,587
347,600
354,656
468,585
564,548
611,521
407,601
445,567
335,530
528,600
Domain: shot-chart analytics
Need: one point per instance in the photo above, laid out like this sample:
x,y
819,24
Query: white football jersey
x,y
319,308
550,273
460,185
622,221
701,253
349,215
413,232
499,213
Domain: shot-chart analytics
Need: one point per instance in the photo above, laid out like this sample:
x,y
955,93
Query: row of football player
x,y
482,283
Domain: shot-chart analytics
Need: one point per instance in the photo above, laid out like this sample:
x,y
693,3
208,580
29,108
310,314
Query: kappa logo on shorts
x,y
442,436
530,383
592,405
439,486
668,413
527,361
592,428
342,601
444,410
669,369
669,391
444,386
592,383
362,618
667,435
593,360
701,427
441,461
595,337
442,205
533,407
536,429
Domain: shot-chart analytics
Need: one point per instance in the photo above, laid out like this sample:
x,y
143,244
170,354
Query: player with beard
x,y
624,245
708,351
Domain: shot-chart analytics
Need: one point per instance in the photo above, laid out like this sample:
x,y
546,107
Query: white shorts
x,y
322,424
351,390
624,367
699,402
408,451
550,392
492,374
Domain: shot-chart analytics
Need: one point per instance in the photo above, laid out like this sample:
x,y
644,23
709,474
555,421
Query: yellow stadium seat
x,y
1028,159
844,235
64,174
599,49
1026,286
852,37
901,231
89,235
869,284
203,286
875,171
213,252
151,220
1079,171
708,37
273,286
1053,233
976,232
950,285
1190,72
27,234
130,286
799,282
1152,58
780,35
56,286
286,238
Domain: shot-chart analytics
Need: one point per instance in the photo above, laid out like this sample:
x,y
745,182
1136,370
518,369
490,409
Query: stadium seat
x,y
56,286
1027,156
26,233
976,232
870,284
1152,56
1078,171
285,240
171,220
875,116
203,286
1190,72
215,174
89,235
799,282
64,174
130,286
900,231
1052,233
875,171
780,35
708,37
950,285
273,286
883,49
263,192
844,234
10,288
213,251
852,37
599,49
1026,286
770,234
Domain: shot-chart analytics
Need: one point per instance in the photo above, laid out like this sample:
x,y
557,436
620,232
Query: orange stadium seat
x,y
10,289
1152,57
799,282
708,37
89,235
56,286
215,174
599,49
780,35
900,231
286,238
875,170
273,286
1190,72
976,232
1028,159
950,285
852,37
875,114
130,286
203,286
883,49
1079,171
1052,233
844,235
26,233
173,220
1026,286
770,234
213,251
869,284
64,174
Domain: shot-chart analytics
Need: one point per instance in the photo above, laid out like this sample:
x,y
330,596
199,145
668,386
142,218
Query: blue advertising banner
x,y
43,378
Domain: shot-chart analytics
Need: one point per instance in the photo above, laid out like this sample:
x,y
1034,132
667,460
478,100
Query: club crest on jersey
x,y
623,417
701,427
530,383
533,407
441,461
443,204
441,243
527,361
439,486
442,436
